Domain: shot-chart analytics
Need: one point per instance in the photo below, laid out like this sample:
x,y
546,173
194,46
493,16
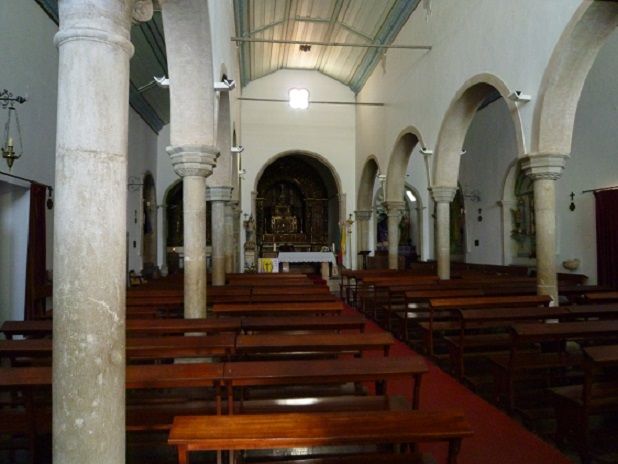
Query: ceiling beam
x,y
312,102
329,44
355,32
331,30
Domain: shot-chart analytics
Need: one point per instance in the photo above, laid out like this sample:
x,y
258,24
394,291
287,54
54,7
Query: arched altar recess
x,y
297,205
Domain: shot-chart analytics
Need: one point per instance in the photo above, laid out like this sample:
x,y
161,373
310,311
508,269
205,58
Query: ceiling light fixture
x,y
299,99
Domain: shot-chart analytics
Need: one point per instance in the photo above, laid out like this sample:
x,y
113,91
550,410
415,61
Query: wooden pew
x,y
140,377
325,371
290,290
256,344
490,329
137,348
136,327
525,336
317,307
301,323
416,301
575,404
293,430
451,304
365,458
601,297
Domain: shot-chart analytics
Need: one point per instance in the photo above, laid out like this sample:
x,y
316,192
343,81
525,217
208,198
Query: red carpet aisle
x,y
497,439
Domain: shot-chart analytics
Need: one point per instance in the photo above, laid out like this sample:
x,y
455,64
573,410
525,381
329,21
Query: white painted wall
x,y
490,150
271,128
14,219
513,41
29,67
593,163
142,152
416,176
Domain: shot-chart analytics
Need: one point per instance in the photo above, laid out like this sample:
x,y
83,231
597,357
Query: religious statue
x,y
250,245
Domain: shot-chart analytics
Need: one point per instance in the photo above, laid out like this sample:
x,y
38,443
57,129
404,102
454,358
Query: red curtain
x,y
36,289
607,237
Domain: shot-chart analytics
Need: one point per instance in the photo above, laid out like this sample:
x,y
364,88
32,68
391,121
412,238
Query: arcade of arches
x,y
500,117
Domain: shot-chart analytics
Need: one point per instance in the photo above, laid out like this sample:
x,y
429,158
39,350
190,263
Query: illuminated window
x,y
411,196
299,99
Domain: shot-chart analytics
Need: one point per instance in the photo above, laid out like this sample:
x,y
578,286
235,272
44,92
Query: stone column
x,y
218,197
443,197
89,230
194,164
362,223
237,212
362,237
229,237
505,210
192,131
545,169
393,209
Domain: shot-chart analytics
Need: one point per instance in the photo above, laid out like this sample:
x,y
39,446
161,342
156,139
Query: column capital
x,y
544,165
100,22
363,215
394,207
193,160
218,193
443,194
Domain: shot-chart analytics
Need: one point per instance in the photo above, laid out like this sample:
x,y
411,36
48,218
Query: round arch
x,y
398,162
297,202
457,120
565,75
324,161
367,180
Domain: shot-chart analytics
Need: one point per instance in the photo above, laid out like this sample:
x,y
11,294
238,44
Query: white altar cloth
x,y
306,257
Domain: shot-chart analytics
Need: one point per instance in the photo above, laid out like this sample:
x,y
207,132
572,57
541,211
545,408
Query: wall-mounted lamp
x,y
225,85
162,82
518,96
241,173
572,205
463,152
426,151
237,149
7,102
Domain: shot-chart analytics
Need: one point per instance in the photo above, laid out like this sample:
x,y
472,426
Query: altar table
x,y
322,257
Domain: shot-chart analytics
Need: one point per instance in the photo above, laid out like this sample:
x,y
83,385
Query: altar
x,y
325,258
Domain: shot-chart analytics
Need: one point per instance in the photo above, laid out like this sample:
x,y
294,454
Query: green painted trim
x,y
241,17
396,19
136,100
50,7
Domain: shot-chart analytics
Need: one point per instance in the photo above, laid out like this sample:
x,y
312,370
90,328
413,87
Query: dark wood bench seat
x,y
597,395
160,416
324,404
366,458
292,430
